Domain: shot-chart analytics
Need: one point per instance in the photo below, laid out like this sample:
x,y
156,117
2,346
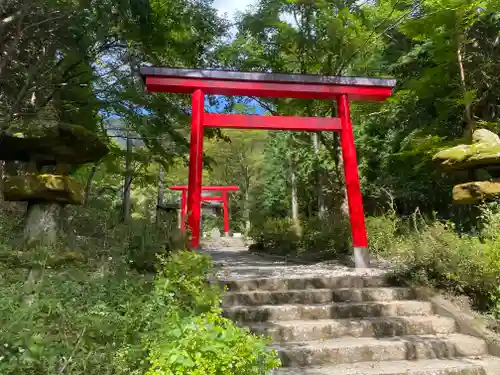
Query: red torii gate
x,y
217,82
223,198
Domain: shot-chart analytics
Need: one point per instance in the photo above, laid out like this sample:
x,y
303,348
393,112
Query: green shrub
x,y
111,320
382,233
276,236
495,302
148,242
208,344
438,256
323,238
183,283
189,334
490,220
70,321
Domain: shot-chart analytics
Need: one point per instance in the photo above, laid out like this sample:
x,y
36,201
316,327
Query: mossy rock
x,y
476,192
485,136
43,187
71,144
485,151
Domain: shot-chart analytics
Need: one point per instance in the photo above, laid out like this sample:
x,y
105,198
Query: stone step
x,y
331,311
317,296
281,284
309,330
352,350
462,366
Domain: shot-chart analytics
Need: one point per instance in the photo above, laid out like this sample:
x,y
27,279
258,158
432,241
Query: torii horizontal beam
x,y
291,123
217,82
207,188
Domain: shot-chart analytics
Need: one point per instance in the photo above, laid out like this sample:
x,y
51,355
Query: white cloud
x,y
230,7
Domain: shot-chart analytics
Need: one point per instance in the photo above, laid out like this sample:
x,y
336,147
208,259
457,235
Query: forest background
x,y
76,62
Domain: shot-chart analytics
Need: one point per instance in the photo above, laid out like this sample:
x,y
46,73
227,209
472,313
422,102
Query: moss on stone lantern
x,y
61,147
483,155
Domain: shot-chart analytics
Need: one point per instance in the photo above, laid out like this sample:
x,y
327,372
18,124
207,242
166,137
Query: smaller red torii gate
x,y
217,198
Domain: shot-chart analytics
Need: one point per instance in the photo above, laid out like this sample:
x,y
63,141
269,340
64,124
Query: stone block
x,y
328,311
43,187
70,144
325,329
484,151
469,156
476,192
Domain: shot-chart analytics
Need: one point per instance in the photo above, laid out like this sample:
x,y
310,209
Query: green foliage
x,y
422,52
183,283
70,321
435,254
275,236
383,233
490,220
148,242
112,320
208,344
325,238
190,336
495,302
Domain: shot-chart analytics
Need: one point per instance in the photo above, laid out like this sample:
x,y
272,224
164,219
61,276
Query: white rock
x,y
485,136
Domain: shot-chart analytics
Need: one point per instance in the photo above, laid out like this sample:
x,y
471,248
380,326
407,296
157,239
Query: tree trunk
x,y
127,204
43,223
469,121
339,169
88,185
319,181
127,187
295,199
248,224
161,193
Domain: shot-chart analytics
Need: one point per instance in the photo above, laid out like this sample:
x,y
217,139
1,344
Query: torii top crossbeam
x,y
198,83
271,85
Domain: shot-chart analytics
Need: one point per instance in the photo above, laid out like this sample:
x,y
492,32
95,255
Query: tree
x,y
445,85
322,37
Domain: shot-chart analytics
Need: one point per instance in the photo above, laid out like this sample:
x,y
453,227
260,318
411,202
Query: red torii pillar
x,y
222,198
199,83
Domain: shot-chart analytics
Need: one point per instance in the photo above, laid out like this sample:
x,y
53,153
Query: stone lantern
x,y
482,157
46,185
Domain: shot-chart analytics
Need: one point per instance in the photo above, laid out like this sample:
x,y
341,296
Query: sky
x,y
232,6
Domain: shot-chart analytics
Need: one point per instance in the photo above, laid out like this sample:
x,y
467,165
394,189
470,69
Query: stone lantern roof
x,y
65,144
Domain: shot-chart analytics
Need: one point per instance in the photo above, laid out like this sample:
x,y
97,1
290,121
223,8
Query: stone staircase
x,y
350,325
